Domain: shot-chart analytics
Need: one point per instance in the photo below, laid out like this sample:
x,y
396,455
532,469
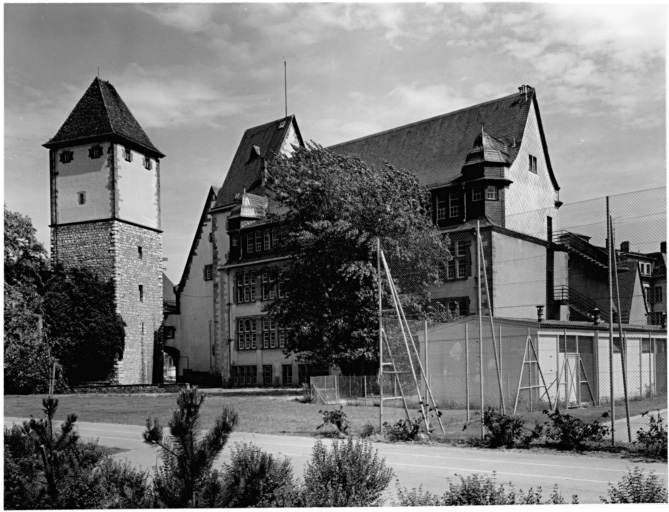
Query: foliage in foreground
x,y
336,208
351,474
654,440
507,430
637,487
51,468
569,433
478,490
186,478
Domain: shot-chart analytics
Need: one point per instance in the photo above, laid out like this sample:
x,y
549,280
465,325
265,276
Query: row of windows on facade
x,y
257,241
66,156
247,283
247,375
654,295
585,344
265,330
449,205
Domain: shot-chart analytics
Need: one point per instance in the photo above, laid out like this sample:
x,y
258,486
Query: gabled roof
x,y
101,113
257,145
211,196
436,149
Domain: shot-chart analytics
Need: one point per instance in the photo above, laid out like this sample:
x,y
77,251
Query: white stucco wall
x,y
531,197
83,174
519,277
137,188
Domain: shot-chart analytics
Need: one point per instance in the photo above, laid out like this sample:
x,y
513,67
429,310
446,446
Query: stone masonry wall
x,y
110,249
143,314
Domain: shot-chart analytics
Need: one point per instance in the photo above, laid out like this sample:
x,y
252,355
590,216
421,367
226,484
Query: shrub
x,y
255,478
478,490
637,487
187,455
349,475
571,433
336,418
653,440
403,430
306,394
509,431
368,430
123,486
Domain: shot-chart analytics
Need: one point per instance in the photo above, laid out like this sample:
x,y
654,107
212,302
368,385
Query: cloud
x,y
193,18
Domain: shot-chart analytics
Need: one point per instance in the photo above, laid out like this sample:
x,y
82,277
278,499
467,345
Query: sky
x,y
196,76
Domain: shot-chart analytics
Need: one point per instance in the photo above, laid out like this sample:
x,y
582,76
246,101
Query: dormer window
x,y
491,193
95,152
127,154
533,164
147,163
645,268
66,157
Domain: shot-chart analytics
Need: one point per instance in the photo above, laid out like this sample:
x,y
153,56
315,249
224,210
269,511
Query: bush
x,y
653,440
349,475
336,418
478,490
508,431
637,487
254,478
571,433
123,487
403,430
368,430
186,478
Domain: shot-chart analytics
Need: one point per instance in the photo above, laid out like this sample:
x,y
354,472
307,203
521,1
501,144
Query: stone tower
x,y
105,216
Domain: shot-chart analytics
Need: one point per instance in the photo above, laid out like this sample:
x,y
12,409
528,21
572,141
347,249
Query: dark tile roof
x,y
260,142
436,149
101,112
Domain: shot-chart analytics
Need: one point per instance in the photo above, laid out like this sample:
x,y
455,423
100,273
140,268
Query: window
x,y
249,243
147,163
645,268
127,154
258,237
306,371
287,374
141,293
477,194
275,237
457,268
646,294
244,375
267,375
491,193
235,240
454,205
267,244
441,207
81,197
170,332
66,157
246,286
533,164
658,295
95,152
139,252
247,333
208,272
272,332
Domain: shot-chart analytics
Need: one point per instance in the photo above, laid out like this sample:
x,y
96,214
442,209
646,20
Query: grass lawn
x,y
277,415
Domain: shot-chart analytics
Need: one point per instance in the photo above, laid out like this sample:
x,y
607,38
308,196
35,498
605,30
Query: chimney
x,y
663,247
540,314
595,316
625,246
524,90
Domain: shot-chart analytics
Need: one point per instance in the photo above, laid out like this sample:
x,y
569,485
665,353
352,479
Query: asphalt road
x,y
414,465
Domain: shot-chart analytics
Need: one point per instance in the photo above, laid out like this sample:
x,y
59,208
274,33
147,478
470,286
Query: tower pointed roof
x,y
101,114
487,149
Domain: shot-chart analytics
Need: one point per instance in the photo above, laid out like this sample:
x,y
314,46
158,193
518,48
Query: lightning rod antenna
x,y
285,86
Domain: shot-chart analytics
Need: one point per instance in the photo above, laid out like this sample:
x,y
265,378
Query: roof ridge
x,y
430,119
98,82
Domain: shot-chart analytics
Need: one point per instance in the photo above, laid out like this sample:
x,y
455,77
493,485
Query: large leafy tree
x,y
53,315
26,355
335,208
86,332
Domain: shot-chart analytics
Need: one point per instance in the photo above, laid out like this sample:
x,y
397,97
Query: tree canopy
x,y
66,315
336,207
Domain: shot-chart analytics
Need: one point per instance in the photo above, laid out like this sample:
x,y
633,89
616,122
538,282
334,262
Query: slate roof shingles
x,y
101,112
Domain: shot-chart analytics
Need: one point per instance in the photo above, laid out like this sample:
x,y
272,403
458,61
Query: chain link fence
x,y
543,338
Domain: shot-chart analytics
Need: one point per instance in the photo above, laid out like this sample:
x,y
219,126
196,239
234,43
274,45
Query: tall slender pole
x,y
480,312
427,368
467,368
623,340
378,274
285,86
611,398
